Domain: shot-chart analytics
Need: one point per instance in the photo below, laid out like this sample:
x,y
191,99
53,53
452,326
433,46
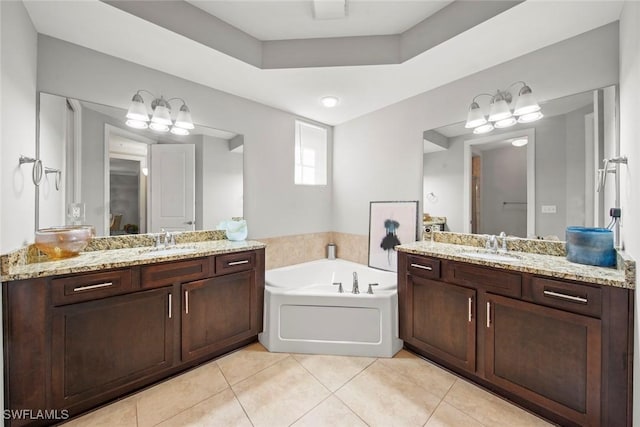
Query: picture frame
x,y
390,224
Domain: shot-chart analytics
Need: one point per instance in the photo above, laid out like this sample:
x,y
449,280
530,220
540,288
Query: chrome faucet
x,y
503,236
492,243
355,289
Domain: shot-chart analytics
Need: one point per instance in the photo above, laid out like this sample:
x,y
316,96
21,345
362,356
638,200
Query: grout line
x,y
350,408
241,406
319,403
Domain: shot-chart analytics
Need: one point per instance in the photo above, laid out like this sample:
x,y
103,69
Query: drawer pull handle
x,y
244,261
422,267
89,287
565,296
170,306
470,304
488,314
186,302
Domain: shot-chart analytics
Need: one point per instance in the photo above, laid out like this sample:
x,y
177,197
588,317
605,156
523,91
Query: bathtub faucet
x,y
355,289
339,285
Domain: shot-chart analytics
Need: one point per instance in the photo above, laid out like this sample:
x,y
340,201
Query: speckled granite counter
x,y
115,258
548,265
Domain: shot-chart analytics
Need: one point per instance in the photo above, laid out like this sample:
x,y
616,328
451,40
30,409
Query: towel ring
x,y
58,172
36,172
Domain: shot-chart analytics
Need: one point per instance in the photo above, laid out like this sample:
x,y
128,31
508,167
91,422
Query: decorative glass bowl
x,y
64,242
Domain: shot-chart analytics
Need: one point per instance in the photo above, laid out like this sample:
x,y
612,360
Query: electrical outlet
x,y
549,209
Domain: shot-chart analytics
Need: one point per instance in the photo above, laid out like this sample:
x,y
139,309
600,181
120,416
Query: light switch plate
x,y
549,209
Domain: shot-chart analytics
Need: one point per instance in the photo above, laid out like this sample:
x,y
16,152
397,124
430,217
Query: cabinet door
x,y
441,321
217,313
550,357
101,345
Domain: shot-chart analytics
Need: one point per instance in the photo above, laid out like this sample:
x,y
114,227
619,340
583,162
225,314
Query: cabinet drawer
x,y
232,263
496,281
154,276
85,287
574,297
424,267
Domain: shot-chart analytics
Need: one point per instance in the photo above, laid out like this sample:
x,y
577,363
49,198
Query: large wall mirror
x,y
530,180
127,181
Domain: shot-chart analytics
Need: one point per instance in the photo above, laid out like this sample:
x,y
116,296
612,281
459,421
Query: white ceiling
x,y
361,89
293,19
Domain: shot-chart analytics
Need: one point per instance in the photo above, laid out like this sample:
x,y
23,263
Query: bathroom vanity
x,y
552,336
81,332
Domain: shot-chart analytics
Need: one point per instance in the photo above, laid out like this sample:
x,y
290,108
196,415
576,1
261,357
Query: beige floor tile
x,y
248,361
280,394
222,409
333,371
332,412
448,416
121,413
425,374
382,397
174,396
488,408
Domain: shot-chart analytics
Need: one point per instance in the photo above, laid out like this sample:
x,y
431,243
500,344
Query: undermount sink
x,y
177,250
490,256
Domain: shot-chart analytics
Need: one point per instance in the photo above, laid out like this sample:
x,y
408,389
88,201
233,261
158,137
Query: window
x,y
310,154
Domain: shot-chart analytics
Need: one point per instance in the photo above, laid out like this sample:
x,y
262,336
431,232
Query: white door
x,y
172,187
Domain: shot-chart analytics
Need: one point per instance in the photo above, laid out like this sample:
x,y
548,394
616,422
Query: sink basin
x,y
63,242
489,256
155,252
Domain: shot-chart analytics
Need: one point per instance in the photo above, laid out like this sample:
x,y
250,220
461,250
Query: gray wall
x,y
629,146
53,130
219,182
504,179
18,40
379,156
274,206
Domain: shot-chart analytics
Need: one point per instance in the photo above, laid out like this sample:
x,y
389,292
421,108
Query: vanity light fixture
x,y
526,110
329,101
519,142
160,121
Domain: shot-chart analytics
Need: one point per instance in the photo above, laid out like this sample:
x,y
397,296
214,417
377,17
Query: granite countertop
x,y
548,265
116,258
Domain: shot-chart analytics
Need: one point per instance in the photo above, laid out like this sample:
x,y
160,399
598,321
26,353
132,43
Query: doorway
x,y
491,201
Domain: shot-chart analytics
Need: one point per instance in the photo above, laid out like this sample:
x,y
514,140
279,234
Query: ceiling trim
x,y
189,21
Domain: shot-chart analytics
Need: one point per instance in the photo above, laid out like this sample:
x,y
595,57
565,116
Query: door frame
x,y
108,131
531,177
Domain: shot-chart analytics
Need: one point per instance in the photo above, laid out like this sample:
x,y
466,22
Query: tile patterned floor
x,y
253,387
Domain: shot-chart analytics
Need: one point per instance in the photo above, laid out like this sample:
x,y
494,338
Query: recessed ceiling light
x,y
329,101
520,142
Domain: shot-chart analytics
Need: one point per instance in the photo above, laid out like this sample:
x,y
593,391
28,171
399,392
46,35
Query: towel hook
x,y
36,172
58,172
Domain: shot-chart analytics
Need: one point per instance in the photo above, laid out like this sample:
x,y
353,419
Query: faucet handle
x,y
503,236
370,290
339,285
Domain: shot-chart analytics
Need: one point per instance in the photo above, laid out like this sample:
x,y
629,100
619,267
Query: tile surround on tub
x,y
295,249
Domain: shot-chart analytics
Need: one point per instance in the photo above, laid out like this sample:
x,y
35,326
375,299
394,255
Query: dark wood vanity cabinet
x,y
101,345
78,341
441,322
560,348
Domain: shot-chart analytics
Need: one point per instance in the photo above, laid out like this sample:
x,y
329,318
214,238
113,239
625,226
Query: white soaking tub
x,y
304,313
